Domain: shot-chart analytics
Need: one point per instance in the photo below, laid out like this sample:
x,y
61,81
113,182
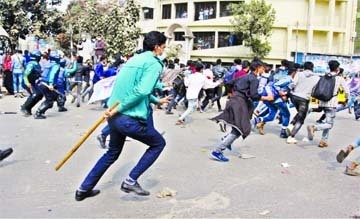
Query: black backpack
x,y
324,89
178,81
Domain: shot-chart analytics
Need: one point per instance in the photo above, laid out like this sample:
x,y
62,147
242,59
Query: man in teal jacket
x,y
132,118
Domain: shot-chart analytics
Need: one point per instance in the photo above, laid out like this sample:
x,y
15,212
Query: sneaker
x,y
39,116
219,156
202,111
289,128
323,144
229,147
25,112
102,141
311,132
283,133
168,112
5,153
340,157
180,122
352,172
62,109
291,140
260,127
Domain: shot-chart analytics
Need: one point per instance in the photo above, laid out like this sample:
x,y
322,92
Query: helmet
x,y
54,56
62,62
35,55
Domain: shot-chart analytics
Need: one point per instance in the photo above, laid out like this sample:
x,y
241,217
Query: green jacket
x,y
135,84
32,72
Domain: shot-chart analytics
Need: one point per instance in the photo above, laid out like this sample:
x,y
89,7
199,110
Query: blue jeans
x,y
174,94
330,114
105,131
17,82
284,111
228,140
122,126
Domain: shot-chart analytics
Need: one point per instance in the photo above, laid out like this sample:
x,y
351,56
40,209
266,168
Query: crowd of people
x,y
256,95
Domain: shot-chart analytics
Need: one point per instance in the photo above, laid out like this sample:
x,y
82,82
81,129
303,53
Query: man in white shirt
x,y
194,83
329,107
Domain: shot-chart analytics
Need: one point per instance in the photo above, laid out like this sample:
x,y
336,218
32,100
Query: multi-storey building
x,y
203,28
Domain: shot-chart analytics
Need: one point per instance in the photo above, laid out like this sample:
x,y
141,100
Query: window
x,y
225,8
179,36
181,10
228,39
205,10
148,13
166,12
204,40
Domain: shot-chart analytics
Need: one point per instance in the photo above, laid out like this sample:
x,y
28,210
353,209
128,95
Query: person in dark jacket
x,y
239,109
31,76
48,84
77,81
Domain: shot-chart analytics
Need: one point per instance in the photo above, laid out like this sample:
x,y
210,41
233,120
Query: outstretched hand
x,y
165,100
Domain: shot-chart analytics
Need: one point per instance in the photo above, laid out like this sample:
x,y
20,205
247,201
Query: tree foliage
x,y
117,24
254,21
21,17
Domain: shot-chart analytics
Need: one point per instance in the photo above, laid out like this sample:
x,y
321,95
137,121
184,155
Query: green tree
x,y
122,32
117,24
254,21
19,17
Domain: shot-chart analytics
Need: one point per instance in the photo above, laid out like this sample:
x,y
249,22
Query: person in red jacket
x,y
8,79
244,70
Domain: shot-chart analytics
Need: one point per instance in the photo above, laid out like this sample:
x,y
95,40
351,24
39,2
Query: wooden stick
x,y
79,143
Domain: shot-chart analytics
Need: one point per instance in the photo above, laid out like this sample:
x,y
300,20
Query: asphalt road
x,y
313,185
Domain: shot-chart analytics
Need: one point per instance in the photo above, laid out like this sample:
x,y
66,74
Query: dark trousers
x,y
122,126
8,82
209,95
218,94
35,96
302,107
105,131
50,98
174,94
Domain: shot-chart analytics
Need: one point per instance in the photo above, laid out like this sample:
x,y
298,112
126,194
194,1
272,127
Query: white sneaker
x,y
291,140
290,128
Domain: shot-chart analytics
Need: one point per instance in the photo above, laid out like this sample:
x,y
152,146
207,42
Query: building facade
x,y
203,29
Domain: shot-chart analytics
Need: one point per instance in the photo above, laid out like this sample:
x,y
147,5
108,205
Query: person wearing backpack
x,y
326,92
304,83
